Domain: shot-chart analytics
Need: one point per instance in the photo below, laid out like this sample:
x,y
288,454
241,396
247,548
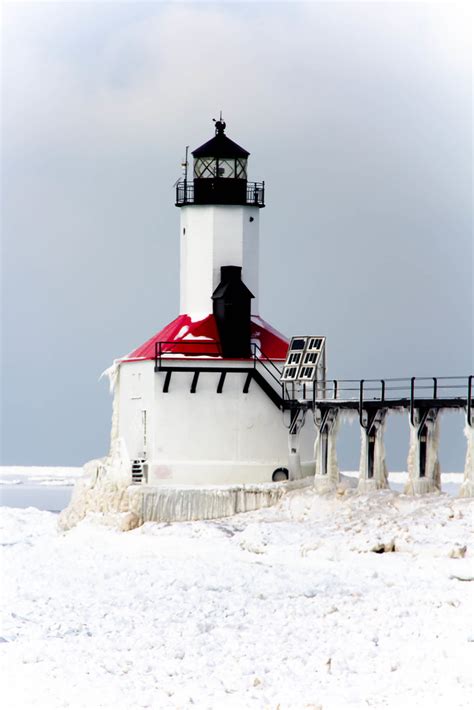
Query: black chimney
x,y
231,306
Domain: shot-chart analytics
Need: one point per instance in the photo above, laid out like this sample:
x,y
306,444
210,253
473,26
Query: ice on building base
x,y
105,493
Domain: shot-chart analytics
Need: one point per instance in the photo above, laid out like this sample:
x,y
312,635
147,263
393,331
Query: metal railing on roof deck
x,y
167,353
212,348
192,348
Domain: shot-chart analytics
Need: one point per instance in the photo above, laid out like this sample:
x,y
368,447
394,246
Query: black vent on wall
x,y
231,306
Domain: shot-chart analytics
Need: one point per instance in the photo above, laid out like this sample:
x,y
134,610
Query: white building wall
x,y
213,236
205,437
137,407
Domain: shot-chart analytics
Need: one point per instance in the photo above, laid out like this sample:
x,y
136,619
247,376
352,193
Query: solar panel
x,y
289,374
305,359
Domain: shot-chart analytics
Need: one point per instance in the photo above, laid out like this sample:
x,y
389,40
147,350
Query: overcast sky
x,y
356,115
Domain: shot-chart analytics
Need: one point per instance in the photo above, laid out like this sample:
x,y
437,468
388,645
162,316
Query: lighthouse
x,y
200,401
218,413
205,423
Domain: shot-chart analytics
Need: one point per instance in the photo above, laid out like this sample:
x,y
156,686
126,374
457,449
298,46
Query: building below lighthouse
x,y
199,404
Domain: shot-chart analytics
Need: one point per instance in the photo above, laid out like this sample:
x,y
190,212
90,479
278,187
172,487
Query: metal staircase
x,y
139,471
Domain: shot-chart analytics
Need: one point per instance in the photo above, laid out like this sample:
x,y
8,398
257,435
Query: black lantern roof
x,y
220,146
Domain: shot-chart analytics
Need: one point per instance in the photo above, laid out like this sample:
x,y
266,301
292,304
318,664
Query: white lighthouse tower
x,y
199,401
200,404
219,222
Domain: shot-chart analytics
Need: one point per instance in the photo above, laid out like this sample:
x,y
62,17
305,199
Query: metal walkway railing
x,y
391,393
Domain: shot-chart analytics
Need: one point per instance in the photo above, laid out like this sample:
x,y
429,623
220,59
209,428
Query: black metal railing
x,y
191,348
254,194
212,348
396,388
439,392
184,193
269,366
395,392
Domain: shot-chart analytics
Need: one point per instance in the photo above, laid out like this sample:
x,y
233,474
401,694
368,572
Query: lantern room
x,y
220,175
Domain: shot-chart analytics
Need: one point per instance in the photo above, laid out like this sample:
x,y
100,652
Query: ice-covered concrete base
x,y
366,485
105,494
430,482
467,488
181,503
104,490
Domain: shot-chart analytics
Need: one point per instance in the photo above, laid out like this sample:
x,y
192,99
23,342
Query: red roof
x,y
200,337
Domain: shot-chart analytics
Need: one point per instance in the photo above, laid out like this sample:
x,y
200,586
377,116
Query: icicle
x,y
424,476
112,373
180,503
467,487
378,478
131,506
104,486
327,474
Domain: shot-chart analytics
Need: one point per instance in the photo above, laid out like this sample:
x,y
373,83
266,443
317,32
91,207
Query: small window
x,y
298,344
307,373
310,358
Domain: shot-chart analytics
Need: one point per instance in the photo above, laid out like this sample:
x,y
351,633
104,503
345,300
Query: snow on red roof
x,y
200,337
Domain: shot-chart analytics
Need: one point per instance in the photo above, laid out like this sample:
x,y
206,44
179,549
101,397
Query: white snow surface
x,y
287,607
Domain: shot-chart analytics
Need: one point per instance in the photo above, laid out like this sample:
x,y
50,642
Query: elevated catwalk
x,y
422,397
372,400
109,490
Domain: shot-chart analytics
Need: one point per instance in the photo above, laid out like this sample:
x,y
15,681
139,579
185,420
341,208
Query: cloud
x,y
107,72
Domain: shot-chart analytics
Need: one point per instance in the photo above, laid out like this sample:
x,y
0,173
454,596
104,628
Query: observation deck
x,y
220,191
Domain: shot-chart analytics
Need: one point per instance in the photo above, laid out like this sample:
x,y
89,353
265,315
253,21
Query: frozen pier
x,y
423,398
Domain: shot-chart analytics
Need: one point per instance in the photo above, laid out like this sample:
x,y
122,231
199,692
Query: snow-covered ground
x,y
290,607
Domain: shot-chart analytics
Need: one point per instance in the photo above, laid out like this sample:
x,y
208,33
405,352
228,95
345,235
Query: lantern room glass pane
x,y
205,168
226,168
241,168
